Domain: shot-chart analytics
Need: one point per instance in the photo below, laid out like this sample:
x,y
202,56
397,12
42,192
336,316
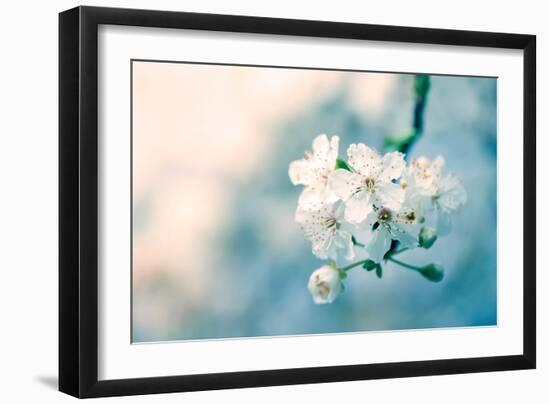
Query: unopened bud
x,y
427,237
433,272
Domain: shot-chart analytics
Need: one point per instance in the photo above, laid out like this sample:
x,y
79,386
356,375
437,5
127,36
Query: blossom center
x,y
369,184
410,216
425,174
384,216
331,223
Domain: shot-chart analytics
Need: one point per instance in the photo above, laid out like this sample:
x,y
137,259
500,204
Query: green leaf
x,y
342,274
342,164
399,142
369,265
379,270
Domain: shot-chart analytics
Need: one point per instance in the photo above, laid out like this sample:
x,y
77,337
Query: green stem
x,y
393,253
404,264
355,264
421,87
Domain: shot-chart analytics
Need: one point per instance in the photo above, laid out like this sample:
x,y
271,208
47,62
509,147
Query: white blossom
x,y
370,184
433,193
422,176
385,225
325,284
325,228
449,198
369,203
313,172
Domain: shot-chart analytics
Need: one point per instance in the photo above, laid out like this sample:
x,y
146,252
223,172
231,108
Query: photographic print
x,y
278,201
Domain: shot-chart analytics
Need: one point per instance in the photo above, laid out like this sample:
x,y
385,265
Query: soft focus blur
x,y
216,251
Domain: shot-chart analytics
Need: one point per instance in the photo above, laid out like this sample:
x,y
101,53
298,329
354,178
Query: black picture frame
x,y
78,201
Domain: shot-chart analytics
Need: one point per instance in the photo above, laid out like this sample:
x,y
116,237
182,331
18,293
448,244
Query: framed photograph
x,y
251,201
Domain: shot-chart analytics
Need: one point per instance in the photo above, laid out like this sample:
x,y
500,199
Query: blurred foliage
x,y
403,143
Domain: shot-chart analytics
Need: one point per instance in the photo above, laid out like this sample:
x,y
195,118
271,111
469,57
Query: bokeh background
x,y
216,251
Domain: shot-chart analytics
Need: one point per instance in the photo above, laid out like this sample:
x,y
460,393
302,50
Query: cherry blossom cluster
x,y
370,201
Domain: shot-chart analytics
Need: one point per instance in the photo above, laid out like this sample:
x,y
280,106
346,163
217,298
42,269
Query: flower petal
x,y
406,234
313,224
324,247
332,154
367,224
339,211
443,222
424,175
342,240
438,164
302,215
358,206
390,195
316,195
324,152
343,183
364,160
321,145
327,194
452,195
300,172
393,165
378,244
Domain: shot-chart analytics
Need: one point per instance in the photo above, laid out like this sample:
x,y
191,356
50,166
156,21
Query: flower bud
x,y
433,272
325,284
427,237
